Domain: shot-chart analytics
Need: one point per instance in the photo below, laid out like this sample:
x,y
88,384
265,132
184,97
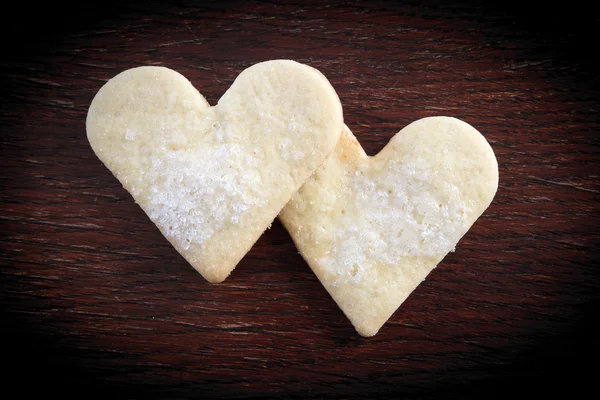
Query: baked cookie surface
x,y
373,228
212,179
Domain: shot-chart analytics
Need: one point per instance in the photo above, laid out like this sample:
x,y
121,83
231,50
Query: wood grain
x,y
94,299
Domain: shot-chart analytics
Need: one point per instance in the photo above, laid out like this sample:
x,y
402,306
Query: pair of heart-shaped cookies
x,y
214,178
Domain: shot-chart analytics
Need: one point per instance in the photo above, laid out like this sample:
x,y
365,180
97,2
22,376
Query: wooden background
x,y
95,301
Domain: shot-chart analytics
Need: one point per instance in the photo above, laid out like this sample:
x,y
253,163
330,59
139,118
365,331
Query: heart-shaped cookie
x,y
372,228
214,178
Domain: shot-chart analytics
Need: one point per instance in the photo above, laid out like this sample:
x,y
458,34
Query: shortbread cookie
x,y
372,228
214,178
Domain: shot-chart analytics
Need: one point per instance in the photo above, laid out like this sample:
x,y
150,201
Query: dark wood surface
x,y
95,301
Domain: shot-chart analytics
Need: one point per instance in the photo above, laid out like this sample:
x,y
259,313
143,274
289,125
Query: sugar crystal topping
x,y
130,134
404,212
196,192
